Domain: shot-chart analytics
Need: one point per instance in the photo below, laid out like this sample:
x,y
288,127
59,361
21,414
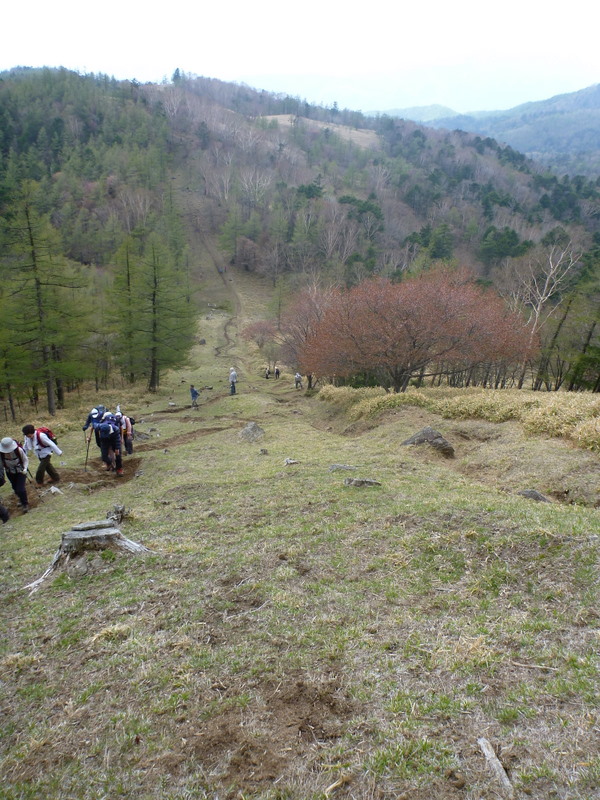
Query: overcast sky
x,y
377,55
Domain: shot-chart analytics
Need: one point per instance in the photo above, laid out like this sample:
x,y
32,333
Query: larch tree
x,y
48,321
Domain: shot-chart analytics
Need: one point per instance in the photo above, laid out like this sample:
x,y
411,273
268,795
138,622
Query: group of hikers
x,y
113,432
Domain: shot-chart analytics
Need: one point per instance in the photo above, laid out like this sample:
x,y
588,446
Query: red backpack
x,y
48,433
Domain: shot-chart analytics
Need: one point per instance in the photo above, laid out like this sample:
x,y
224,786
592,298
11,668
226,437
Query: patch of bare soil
x,y
183,438
278,731
94,476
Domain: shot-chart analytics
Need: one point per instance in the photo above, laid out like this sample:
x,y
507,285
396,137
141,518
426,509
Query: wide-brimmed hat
x,y
7,445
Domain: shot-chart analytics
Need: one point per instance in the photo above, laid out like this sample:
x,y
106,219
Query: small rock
x,y
335,467
263,451
430,436
290,461
361,482
252,432
532,494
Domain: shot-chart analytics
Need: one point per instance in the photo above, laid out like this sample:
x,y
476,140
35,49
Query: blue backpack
x,y
108,426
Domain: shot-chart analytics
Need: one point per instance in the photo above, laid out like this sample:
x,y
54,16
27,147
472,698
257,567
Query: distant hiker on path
x,y
298,380
232,380
195,394
15,464
40,443
267,373
277,373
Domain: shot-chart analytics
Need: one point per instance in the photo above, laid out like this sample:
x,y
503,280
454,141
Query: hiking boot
x,y
25,509
119,472
39,486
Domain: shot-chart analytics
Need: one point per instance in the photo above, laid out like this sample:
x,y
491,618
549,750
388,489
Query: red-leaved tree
x,y
435,323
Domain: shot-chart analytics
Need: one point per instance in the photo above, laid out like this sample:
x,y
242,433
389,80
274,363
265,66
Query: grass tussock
x,y
573,416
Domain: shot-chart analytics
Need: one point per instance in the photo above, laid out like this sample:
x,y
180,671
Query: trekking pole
x,y
87,452
30,479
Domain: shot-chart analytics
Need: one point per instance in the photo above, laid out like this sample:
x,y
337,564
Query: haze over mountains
x,y
562,132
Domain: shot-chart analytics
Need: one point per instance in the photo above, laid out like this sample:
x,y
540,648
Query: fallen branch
x,y
496,766
534,666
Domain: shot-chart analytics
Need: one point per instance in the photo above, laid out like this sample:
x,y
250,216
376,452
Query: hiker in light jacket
x,y
15,464
232,380
126,431
42,445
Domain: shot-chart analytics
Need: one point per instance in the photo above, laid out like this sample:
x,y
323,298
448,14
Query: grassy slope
x,y
290,636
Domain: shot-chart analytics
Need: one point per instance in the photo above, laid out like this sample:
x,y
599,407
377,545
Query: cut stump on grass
x,y
84,537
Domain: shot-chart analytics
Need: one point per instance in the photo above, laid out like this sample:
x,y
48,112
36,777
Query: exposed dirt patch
x,y
95,476
276,731
183,438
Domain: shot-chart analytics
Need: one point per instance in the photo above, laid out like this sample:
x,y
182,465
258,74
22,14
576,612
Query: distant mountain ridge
x,y
562,132
419,113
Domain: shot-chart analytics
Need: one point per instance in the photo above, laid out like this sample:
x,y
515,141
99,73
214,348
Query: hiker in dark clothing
x,y
14,464
109,432
94,418
195,394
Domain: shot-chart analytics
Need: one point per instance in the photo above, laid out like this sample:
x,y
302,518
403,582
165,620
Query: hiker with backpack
x,y
42,442
14,464
109,432
195,394
94,418
126,424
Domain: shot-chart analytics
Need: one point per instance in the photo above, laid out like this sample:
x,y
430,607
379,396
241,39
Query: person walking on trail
x,y
277,373
267,373
195,394
110,443
15,463
126,431
94,418
39,442
233,378
298,380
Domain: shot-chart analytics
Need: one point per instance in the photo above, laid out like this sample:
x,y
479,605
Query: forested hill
x,y
562,132
105,186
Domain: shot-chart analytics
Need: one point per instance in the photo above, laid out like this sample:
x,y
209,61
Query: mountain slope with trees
x,y
562,132
123,181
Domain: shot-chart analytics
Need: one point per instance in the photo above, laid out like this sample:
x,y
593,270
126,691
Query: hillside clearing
x,y
361,137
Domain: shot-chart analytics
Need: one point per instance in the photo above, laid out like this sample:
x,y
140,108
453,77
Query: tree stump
x,y
98,535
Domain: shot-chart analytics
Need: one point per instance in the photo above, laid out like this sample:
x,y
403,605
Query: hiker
x,y
298,380
94,419
126,424
43,445
277,373
15,464
232,380
267,373
109,432
195,395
